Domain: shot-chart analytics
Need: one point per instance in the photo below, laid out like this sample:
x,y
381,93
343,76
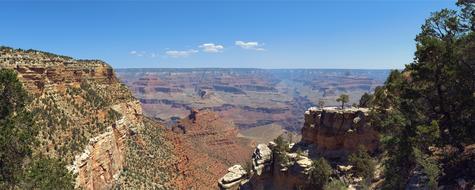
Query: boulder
x,y
344,168
261,158
235,177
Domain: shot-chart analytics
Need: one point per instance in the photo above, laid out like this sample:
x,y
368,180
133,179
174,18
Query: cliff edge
x,y
330,133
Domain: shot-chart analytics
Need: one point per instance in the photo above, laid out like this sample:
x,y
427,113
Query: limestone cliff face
x,y
85,115
329,132
337,132
99,166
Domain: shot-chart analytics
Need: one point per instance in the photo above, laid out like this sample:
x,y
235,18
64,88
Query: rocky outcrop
x,y
336,132
269,172
234,179
331,133
261,159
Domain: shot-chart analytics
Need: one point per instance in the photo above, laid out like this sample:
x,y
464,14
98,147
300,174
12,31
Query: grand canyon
x,y
262,103
237,95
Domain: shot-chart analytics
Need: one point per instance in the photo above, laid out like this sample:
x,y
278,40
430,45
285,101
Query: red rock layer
x,y
207,146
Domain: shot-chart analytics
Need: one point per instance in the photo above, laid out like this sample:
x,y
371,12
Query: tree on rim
x,y
344,98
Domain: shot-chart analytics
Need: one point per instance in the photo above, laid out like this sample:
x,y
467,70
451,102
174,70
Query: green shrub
x,y
17,130
47,173
336,185
362,164
319,174
281,144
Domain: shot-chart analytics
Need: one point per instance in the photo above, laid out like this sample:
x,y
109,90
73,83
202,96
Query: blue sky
x,y
252,34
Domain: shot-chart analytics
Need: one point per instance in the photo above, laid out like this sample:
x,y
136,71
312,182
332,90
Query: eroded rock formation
x,y
86,117
330,132
337,132
99,166
234,179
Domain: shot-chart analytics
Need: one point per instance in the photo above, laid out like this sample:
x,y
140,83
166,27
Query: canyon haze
x,y
262,103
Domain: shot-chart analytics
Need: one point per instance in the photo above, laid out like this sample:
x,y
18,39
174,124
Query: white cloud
x,y
177,54
250,45
143,54
137,53
211,48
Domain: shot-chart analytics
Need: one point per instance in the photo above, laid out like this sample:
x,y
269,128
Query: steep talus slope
x,y
153,160
86,117
210,145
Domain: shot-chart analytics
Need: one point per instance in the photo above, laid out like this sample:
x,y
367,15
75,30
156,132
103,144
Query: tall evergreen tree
x,y
432,101
17,132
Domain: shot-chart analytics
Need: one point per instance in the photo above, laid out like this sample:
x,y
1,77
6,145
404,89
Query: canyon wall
x,y
209,144
249,97
85,115
330,132
337,132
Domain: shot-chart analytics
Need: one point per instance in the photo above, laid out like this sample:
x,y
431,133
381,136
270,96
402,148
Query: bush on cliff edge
x,y
319,174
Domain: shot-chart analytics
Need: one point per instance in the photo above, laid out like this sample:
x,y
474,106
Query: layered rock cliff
x,y
337,132
330,133
86,117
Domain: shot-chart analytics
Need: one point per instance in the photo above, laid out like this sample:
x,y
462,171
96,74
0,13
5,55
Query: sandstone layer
x,y
337,132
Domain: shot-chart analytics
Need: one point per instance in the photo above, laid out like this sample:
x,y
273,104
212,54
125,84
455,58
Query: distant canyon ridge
x,y
257,101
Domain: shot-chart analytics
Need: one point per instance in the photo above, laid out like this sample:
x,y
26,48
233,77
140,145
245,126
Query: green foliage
x,y
432,101
365,100
430,167
281,149
344,98
93,96
281,144
443,76
336,185
151,148
17,139
47,173
319,174
362,163
113,115
17,131
427,135
13,96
